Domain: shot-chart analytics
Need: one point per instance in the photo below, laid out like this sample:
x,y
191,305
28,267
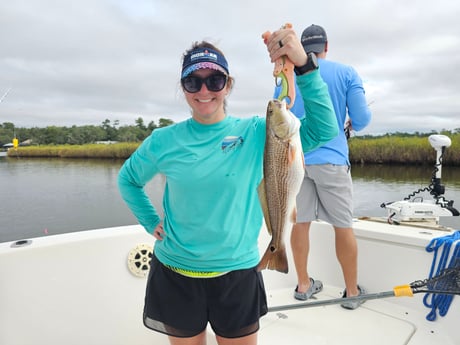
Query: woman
x,y
203,269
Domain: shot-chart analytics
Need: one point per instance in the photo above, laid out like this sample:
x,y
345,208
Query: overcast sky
x,y
67,63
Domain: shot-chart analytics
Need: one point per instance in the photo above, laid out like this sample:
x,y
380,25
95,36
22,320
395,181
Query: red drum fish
x,y
283,175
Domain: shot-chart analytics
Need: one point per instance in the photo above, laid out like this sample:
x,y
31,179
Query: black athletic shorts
x,y
182,306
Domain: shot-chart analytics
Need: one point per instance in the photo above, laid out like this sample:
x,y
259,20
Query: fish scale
x,y
283,175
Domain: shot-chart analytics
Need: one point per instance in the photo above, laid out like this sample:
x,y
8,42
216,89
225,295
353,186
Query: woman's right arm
x,y
319,124
132,177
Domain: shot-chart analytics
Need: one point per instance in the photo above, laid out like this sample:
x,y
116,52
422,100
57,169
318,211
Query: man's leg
x,y
347,254
300,245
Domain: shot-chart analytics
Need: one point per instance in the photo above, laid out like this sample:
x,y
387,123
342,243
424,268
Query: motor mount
x,y
417,209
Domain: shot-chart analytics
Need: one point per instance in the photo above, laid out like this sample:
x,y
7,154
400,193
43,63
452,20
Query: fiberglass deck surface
x,y
375,322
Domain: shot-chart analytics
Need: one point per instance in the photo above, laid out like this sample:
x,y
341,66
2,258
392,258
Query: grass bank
x,y
401,150
390,149
101,151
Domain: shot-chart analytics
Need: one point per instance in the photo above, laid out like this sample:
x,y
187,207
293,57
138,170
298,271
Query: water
x,y
50,196
41,197
377,184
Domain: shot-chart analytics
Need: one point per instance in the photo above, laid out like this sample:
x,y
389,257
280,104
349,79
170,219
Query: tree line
x,y
78,135
395,148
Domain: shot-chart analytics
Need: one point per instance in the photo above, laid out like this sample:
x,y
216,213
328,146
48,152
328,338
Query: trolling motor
x,y
411,210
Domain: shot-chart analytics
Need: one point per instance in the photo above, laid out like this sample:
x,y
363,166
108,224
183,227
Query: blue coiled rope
x,y
446,253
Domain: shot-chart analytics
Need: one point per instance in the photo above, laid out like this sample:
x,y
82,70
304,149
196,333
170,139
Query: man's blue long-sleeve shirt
x,y
347,94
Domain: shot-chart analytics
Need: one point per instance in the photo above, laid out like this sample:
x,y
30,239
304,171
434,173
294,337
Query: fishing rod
x,y
348,125
447,282
4,95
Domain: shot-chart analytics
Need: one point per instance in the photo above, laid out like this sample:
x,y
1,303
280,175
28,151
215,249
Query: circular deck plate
x,y
139,260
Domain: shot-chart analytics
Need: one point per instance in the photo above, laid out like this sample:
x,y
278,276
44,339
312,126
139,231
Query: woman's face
x,y
207,106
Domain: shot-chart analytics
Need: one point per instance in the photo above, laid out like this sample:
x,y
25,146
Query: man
x,y
326,191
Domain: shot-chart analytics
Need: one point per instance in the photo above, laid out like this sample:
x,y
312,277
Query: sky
x,y
65,63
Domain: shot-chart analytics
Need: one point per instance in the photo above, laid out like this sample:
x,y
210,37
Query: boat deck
x,y
375,322
51,286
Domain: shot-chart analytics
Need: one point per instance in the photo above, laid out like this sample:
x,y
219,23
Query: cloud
x,y
76,63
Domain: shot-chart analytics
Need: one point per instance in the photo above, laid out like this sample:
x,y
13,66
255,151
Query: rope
x,y
446,254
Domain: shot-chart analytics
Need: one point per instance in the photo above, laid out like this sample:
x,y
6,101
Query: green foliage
x,y
79,142
6,132
402,149
109,151
79,135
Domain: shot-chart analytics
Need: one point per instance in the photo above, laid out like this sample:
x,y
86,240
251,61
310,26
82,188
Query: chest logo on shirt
x,y
230,143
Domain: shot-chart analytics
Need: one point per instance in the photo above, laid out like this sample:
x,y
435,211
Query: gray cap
x,y
314,39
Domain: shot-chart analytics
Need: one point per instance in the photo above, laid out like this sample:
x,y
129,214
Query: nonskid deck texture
x,y
375,322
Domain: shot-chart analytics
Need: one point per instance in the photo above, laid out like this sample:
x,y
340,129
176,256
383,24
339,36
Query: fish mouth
x,y
278,103
275,104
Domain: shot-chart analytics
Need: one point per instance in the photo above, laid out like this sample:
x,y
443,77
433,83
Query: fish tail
x,y
274,259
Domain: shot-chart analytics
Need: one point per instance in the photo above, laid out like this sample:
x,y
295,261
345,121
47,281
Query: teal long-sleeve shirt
x,y
212,214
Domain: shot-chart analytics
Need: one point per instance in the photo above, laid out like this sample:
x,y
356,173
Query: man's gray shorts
x,y
326,194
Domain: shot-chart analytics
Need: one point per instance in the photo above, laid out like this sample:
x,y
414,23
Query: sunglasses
x,y
215,82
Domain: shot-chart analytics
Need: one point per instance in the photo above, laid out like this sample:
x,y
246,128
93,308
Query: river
x,y
42,197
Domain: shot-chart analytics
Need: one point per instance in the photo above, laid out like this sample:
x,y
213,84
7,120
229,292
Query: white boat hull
x,y
76,289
